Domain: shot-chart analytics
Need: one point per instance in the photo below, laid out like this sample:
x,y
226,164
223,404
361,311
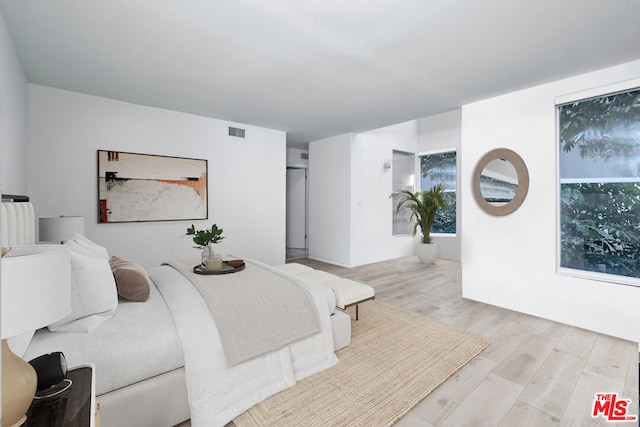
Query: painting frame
x,y
138,187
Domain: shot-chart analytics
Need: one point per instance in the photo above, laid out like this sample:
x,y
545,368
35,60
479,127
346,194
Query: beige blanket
x,y
256,310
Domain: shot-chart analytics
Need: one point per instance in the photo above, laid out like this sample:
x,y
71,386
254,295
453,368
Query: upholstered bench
x,y
293,268
348,292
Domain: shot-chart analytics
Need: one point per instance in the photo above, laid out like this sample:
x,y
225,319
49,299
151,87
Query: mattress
x,y
139,342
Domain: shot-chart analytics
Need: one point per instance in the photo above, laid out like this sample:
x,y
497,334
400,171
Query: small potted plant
x,y
423,206
205,239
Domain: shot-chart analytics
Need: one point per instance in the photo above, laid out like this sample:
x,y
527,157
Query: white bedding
x,y
218,394
140,341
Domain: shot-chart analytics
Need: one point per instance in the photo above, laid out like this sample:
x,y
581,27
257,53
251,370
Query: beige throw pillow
x,y
132,280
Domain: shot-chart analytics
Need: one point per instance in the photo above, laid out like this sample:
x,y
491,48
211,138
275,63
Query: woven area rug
x,y
396,358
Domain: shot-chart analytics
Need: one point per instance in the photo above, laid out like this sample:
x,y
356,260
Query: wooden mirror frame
x,y
523,181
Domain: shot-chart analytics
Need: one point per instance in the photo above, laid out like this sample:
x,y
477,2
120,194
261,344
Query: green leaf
x,y
423,206
206,237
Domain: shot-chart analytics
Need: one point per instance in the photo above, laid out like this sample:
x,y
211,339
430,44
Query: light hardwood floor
x,y
534,373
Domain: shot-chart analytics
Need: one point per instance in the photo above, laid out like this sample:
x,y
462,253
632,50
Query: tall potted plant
x,y
423,206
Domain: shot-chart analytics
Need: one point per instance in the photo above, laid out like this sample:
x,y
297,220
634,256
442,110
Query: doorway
x,y
296,213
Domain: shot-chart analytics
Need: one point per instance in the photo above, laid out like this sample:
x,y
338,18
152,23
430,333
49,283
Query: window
x,y
599,160
439,168
402,168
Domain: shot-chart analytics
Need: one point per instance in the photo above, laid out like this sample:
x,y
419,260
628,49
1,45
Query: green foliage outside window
x,y
600,217
441,168
602,127
600,227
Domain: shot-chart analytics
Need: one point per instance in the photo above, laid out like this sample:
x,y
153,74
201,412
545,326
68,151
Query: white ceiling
x,y
315,68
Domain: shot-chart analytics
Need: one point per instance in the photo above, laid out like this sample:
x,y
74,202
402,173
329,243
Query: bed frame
x,y
157,401
17,223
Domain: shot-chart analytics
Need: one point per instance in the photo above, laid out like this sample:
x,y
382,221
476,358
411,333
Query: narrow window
x,y
440,168
403,177
599,160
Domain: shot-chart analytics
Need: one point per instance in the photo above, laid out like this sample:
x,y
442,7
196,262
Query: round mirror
x,y
500,182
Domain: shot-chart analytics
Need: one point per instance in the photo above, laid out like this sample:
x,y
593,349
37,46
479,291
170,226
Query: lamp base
x,y
20,421
19,383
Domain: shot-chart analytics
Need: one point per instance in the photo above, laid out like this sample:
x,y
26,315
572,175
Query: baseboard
x,y
330,262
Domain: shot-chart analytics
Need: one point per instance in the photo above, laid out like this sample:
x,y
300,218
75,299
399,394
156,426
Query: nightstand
x,y
75,407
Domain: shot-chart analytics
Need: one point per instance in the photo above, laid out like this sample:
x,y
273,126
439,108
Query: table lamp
x,y
35,291
57,229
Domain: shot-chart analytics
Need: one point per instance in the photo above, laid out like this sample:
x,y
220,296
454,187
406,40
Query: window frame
x,y
627,86
395,216
418,168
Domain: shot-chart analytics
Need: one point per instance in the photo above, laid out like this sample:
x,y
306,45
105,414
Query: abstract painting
x,y
144,187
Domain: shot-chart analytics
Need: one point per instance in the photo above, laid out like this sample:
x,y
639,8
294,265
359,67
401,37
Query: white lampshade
x,y
35,291
35,288
60,228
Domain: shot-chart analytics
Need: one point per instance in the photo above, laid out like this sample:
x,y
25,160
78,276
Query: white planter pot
x,y
427,252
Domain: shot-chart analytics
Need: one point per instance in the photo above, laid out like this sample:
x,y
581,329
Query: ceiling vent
x,y
236,132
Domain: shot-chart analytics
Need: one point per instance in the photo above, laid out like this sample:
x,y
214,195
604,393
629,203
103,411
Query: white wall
x,y
13,118
246,176
371,207
350,212
13,122
511,261
329,176
444,132
295,160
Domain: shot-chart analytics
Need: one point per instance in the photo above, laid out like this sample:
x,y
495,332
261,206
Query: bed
x,y
163,361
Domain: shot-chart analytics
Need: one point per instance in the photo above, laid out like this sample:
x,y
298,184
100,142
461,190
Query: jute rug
x,y
395,359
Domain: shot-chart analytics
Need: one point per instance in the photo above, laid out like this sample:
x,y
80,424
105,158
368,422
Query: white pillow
x,y
80,249
94,297
92,247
